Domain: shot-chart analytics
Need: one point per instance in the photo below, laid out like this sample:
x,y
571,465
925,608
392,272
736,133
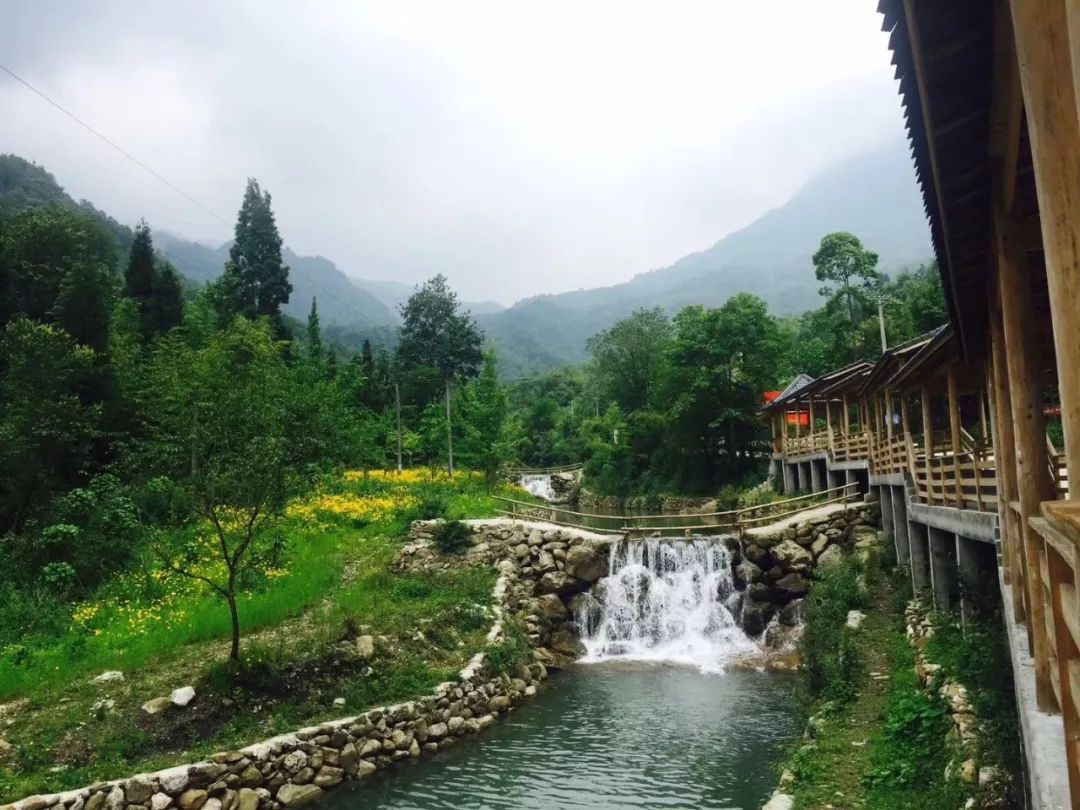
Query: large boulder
x,y
758,556
830,557
551,606
295,795
790,556
791,586
746,573
584,563
565,642
561,583
756,616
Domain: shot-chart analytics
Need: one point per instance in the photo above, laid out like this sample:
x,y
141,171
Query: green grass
x,y
338,584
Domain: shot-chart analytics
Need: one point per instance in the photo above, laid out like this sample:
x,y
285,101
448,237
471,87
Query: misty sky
x,y
520,148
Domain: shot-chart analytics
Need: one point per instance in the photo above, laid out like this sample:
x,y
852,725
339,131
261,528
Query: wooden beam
x,y
847,416
1005,461
1043,33
918,62
1029,434
1007,107
888,414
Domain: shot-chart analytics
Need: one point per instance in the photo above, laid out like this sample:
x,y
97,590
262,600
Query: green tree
x,y
167,303
58,268
438,339
47,427
481,410
217,454
255,282
848,269
628,357
314,333
139,273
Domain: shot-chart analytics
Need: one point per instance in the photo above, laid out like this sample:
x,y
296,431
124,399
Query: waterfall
x,y
666,599
538,485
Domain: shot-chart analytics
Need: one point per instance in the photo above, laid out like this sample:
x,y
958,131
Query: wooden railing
x,y
544,470
851,446
813,443
734,521
1059,470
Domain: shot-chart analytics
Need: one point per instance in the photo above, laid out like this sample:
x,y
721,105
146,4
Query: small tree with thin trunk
x,y
217,448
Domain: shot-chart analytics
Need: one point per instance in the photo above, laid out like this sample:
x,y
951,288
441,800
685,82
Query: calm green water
x,y
607,736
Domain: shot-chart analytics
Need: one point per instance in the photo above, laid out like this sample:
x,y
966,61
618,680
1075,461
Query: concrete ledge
x,y
891,480
1042,735
981,526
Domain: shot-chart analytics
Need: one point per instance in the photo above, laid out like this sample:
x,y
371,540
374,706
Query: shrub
x,y
452,537
432,505
829,651
505,657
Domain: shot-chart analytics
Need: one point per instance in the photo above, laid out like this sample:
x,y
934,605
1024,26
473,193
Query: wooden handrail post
x,y
954,432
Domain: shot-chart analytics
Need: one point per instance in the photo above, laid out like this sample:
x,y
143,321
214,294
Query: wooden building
x,y
951,429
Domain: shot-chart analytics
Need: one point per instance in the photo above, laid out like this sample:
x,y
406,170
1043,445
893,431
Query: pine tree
x,y
167,307
256,280
314,334
139,274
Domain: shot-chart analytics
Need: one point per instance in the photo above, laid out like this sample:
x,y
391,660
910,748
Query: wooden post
x,y
798,420
811,418
847,416
1033,481
1048,77
905,423
928,441
954,430
828,422
1063,576
1005,463
888,414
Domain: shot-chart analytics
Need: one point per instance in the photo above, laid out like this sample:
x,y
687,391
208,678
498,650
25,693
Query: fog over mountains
x,y
873,196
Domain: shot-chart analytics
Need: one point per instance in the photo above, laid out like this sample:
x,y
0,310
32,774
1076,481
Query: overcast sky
x,y
520,148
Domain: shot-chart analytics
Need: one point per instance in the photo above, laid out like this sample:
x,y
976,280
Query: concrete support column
x,y
815,476
942,567
919,544
976,564
790,484
900,526
885,496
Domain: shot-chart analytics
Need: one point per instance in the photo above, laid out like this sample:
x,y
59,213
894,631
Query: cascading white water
x,y
666,600
538,485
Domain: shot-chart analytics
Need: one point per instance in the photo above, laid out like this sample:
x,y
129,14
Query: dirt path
x,y
831,775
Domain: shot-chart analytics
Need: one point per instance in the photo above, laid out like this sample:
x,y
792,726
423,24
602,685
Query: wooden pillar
x,y
798,420
828,422
1048,77
1005,462
1033,481
847,417
928,441
905,424
811,416
888,414
954,430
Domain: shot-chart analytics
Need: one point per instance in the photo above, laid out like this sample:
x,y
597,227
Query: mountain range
x,y
872,195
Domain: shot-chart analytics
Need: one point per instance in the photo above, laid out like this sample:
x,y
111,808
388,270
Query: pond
x,y
616,734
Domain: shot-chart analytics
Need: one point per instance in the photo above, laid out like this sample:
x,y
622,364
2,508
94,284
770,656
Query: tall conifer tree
x,y
314,333
256,280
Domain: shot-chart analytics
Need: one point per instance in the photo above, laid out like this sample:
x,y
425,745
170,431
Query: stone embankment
x,y
548,568
965,725
777,560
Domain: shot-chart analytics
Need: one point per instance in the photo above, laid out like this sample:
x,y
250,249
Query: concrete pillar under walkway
x,y
942,567
900,525
976,564
885,497
815,475
790,484
919,545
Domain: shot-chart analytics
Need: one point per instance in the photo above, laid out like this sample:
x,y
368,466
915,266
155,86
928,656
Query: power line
x,y
113,144
170,184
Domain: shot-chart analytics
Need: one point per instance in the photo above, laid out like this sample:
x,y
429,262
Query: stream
x,y
615,734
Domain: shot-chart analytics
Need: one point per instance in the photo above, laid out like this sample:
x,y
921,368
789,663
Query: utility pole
x,y
397,409
881,323
449,433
